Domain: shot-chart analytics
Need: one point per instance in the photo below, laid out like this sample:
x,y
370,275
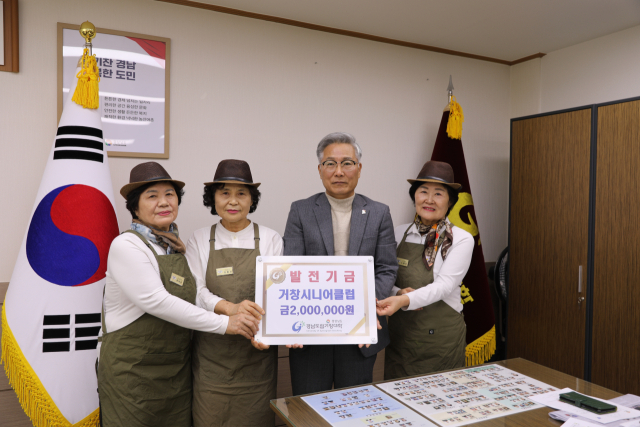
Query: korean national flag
x,y
51,315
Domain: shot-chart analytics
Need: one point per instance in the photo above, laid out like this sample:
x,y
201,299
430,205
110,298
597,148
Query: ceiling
x,y
507,30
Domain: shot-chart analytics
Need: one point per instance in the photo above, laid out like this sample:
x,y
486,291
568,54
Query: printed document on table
x,y
580,423
552,400
364,407
468,396
628,400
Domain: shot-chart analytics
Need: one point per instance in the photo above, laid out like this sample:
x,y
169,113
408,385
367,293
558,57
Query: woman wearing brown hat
x,y
428,334
233,379
144,374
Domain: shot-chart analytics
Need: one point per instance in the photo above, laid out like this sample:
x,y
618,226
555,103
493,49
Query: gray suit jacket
x,y
309,231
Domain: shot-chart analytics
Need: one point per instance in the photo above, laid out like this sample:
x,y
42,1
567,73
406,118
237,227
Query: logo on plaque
x,y
277,275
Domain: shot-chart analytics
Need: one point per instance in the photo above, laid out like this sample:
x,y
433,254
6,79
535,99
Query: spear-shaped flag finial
x,y
450,89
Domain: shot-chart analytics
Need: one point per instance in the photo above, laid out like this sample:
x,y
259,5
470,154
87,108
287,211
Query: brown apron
x,y
144,374
233,382
427,340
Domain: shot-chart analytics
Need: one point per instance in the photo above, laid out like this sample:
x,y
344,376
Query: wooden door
x,y
548,233
616,296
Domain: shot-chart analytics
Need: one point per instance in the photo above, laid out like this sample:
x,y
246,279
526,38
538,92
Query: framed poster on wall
x,y
9,57
134,87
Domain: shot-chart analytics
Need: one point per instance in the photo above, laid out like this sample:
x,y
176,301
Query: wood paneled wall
x,y
616,324
548,239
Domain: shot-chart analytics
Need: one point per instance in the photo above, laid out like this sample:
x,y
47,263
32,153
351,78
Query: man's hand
x,y
379,327
260,346
242,324
388,306
246,307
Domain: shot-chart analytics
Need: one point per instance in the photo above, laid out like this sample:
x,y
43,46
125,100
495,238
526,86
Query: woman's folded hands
x,y
248,314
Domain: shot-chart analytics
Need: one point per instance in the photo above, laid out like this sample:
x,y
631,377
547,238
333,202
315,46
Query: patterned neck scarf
x,y
168,240
439,235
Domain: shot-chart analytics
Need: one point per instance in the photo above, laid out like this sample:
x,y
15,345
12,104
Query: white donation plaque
x,y
316,300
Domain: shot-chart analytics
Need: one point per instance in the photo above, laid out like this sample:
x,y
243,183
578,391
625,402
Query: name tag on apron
x,y
226,271
403,262
178,280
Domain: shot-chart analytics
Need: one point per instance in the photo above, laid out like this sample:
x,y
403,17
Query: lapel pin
x,y
363,212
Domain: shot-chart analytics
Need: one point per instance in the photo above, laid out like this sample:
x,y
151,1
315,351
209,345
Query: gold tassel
x,y
456,117
32,395
481,349
86,93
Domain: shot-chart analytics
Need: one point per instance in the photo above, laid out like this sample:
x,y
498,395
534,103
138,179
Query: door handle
x,y
580,297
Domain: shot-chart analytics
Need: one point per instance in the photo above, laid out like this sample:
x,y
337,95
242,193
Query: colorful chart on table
x,y
467,396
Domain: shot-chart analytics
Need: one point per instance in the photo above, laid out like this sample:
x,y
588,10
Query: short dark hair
x,y
453,194
209,196
133,198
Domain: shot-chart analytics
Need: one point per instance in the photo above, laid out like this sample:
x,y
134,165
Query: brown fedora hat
x,y
145,173
233,172
440,172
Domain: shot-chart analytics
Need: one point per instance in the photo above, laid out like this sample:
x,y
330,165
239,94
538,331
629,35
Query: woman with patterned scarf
x,y
428,334
144,372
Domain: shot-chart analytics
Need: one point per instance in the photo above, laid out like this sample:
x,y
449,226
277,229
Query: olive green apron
x,y
427,340
144,374
233,382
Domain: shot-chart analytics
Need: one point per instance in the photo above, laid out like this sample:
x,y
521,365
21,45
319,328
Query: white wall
x,y
525,88
600,70
265,93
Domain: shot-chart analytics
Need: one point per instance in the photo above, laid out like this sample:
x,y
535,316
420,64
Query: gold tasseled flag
x,y
456,117
86,93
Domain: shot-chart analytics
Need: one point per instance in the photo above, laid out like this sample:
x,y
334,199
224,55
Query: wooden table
x,y
296,413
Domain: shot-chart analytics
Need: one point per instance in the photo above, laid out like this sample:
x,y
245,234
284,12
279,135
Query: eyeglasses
x,y
346,165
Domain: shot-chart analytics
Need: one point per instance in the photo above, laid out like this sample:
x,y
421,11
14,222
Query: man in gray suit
x,y
340,222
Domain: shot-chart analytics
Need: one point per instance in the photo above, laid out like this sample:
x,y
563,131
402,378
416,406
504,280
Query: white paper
x,y
628,400
579,423
364,407
552,400
316,300
468,396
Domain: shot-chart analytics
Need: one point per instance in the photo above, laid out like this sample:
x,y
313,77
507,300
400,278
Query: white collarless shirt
x,y
133,287
198,248
447,274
